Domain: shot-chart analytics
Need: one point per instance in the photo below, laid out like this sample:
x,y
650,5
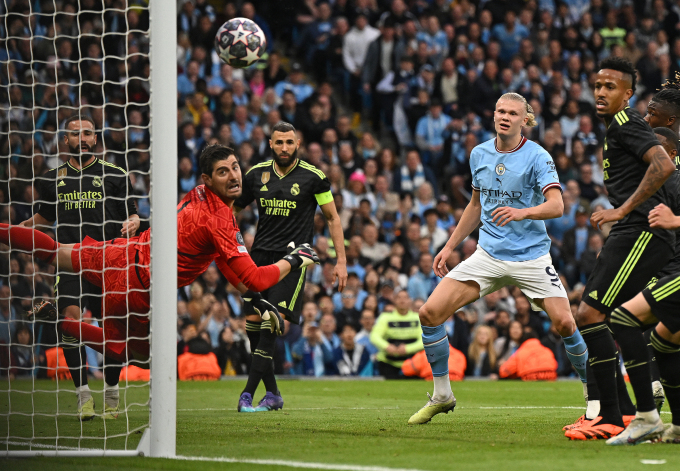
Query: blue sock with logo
x,y
577,352
436,345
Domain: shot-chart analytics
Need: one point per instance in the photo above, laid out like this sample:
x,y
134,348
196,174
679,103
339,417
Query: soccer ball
x,y
240,42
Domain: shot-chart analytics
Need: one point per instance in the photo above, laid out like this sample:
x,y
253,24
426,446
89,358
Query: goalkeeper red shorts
x,y
114,266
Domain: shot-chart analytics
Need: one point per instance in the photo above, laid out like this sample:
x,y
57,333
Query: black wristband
x,y
251,295
294,260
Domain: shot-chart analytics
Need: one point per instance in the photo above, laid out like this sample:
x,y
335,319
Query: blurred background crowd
x,y
389,97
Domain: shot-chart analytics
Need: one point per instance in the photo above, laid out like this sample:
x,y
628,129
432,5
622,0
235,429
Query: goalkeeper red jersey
x,y
206,230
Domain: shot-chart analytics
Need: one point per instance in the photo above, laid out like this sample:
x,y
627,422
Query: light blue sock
x,y
577,352
437,349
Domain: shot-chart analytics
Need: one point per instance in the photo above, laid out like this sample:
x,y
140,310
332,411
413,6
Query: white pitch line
x,y
294,464
290,464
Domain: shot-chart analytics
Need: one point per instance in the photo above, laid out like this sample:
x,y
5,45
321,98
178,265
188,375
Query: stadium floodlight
x,y
58,62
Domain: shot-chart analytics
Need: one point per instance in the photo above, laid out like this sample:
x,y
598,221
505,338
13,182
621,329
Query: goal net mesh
x,y
60,58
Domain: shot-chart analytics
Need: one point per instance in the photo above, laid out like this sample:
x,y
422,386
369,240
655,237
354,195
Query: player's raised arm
x,y
468,223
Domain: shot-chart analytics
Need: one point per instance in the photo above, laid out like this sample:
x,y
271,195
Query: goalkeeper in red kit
x,y
206,232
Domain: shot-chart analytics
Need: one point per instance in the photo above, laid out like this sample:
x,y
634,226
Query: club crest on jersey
x,y
295,190
96,181
61,173
265,177
500,169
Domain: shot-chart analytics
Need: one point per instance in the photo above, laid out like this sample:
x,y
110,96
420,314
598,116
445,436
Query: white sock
x,y
650,417
675,428
84,394
592,410
657,385
110,391
442,388
585,391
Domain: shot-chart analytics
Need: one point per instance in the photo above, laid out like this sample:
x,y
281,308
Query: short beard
x,y
286,161
75,152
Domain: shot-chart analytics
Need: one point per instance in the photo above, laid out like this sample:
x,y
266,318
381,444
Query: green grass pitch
x,y
495,426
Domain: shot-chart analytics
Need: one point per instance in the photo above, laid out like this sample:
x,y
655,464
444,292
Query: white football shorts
x,y
537,278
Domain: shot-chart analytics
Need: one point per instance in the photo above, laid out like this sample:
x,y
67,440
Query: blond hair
x,y
531,122
475,350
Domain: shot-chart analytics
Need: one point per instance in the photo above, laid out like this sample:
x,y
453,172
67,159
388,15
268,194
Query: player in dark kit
x,y
85,196
658,307
287,192
635,169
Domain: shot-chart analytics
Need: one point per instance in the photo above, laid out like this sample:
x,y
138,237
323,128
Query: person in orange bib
x,y
531,362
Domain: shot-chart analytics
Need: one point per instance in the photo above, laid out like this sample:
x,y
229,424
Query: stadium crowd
x,y
389,97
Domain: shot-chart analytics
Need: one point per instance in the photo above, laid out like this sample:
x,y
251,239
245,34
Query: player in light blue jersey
x,y
515,188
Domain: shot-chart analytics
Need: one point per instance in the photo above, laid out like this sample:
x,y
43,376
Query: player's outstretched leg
x,y
90,335
627,326
446,299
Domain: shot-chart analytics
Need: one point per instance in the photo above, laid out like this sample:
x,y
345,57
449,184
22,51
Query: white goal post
x,y
159,438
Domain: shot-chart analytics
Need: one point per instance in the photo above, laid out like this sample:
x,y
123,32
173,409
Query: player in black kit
x,y
287,192
656,307
85,196
635,169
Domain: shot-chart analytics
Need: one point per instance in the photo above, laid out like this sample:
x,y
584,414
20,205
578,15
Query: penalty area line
x,y
293,464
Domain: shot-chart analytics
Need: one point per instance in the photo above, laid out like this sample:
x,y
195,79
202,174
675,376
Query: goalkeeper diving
x,y
206,231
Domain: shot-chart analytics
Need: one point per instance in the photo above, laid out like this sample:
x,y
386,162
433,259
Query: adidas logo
x,y
264,188
61,183
282,304
593,294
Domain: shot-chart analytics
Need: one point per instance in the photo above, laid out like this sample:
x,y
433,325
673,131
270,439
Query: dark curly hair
x,y
670,94
622,65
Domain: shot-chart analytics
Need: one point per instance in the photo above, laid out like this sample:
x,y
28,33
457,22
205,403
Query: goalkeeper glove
x,y
266,310
302,256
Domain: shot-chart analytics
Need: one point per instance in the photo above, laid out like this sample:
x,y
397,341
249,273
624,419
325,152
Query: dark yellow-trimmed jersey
x,y
627,139
286,203
92,201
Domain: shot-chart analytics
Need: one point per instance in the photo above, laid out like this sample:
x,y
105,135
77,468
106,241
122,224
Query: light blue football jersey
x,y
516,178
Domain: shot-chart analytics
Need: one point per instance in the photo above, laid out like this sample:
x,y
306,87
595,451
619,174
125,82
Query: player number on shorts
x,y
554,279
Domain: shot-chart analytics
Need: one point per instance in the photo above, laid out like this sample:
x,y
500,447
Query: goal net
x,y
98,60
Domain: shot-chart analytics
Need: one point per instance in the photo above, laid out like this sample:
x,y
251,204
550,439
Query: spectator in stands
x,y
422,283
506,345
412,174
430,133
531,362
241,128
232,355
396,335
363,337
481,354
351,358
354,49
295,83
308,354
574,245
372,248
